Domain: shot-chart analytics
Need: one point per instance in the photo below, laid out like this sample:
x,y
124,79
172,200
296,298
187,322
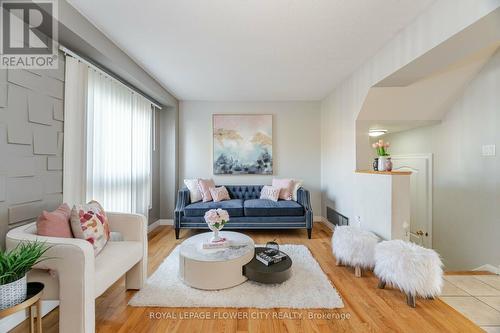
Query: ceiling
x,y
250,50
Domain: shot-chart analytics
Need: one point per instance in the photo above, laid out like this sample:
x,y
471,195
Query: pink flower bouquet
x,y
381,147
216,219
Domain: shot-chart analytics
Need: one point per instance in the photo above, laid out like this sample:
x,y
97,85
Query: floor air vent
x,y
335,217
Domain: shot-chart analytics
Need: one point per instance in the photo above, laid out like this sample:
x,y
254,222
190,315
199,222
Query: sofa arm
x,y
133,227
183,199
304,198
73,261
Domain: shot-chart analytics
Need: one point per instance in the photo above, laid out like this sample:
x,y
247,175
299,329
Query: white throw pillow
x,y
297,183
270,193
194,191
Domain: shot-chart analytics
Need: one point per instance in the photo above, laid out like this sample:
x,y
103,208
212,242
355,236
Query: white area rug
x,y
307,288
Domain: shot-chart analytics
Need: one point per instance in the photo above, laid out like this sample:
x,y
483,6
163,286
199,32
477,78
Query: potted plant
x,y
383,154
14,265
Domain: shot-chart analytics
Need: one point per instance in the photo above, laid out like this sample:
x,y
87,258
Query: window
x,y
119,132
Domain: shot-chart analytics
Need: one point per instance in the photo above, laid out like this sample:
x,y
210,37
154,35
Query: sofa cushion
x,y
264,207
234,207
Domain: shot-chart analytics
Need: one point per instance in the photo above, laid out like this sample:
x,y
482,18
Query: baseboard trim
x,y
8,323
323,220
158,223
488,268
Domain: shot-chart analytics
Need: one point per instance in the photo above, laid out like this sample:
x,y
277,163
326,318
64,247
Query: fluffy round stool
x,y
354,247
413,269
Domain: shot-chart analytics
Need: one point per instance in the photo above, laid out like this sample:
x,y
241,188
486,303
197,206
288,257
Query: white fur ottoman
x,y
354,247
413,269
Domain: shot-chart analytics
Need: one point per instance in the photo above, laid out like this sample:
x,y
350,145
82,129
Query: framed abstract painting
x,y
242,144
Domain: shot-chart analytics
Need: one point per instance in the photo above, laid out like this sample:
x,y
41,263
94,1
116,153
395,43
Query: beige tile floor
x,y
477,297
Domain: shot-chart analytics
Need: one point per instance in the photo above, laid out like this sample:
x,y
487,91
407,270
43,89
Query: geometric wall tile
x,y
23,190
3,185
44,141
24,78
3,75
56,73
52,201
20,166
58,110
19,133
54,163
60,143
3,94
17,109
40,109
25,212
53,87
52,183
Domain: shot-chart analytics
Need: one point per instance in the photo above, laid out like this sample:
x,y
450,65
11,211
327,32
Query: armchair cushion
x,y
234,207
264,207
114,261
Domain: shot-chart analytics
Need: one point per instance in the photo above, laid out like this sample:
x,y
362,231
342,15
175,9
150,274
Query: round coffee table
x,y
275,273
215,268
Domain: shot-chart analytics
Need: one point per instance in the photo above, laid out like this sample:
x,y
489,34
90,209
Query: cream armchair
x,y
76,278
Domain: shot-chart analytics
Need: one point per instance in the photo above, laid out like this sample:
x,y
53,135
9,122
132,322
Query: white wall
x,y
296,142
340,109
466,214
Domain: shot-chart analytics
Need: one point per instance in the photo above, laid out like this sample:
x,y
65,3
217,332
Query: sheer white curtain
x,y
118,166
75,127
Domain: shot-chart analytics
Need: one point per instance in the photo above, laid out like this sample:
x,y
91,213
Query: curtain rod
x,y
101,70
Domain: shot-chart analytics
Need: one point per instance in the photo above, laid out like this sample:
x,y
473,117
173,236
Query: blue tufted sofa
x,y
247,210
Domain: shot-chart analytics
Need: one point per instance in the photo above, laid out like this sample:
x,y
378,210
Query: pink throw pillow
x,y
285,186
56,223
219,193
270,193
205,185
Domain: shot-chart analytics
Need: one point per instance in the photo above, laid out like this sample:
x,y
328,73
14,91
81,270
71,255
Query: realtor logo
x,y
29,34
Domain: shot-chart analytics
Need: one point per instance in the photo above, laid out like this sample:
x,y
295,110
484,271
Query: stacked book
x,y
220,244
270,256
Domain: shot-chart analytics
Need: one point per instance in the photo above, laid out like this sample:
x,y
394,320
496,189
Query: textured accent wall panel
x,y
4,88
31,144
58,110
25,212
52,183
44,140
40,109
60,143
54,163
24,79
20,166
3,185
54,88
19,133
24,189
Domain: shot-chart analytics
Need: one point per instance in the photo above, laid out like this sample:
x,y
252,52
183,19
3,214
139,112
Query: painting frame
x,y
261,140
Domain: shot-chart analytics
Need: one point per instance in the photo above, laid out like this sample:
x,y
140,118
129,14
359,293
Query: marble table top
x,y
239,246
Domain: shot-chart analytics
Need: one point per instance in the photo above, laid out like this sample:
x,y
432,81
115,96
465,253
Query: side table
x,y
33,297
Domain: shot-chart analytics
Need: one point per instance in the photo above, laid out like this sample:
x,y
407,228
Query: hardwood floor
x,y
367,309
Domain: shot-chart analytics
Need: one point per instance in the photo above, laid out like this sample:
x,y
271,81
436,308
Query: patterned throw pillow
x,y
90,222
285,186
194,191
219,194
270,193
204,186
56,223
